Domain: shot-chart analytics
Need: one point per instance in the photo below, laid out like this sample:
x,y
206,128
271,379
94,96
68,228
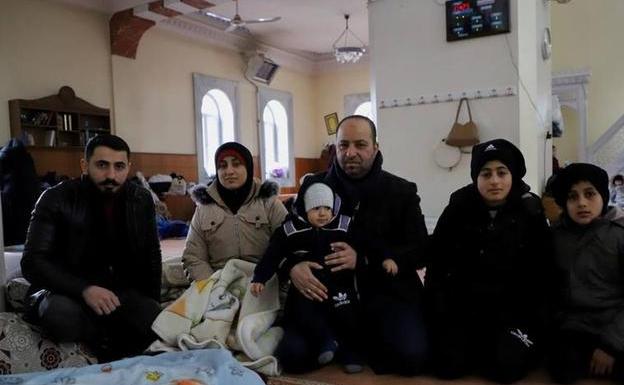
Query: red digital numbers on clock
x,y
461,7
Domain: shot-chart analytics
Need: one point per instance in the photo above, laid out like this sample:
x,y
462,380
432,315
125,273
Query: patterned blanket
x,y
220,311
197,367
24,349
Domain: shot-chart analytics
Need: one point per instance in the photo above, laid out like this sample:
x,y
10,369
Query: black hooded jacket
x,y
64,252
387,223
490,267
20,190
297,241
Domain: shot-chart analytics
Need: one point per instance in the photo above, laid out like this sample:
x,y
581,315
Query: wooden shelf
x,y
46,147
39,126
98,130
32,121
180,207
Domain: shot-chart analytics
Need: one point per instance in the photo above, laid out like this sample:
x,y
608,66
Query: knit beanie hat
x,y
578,172
501,150
317,195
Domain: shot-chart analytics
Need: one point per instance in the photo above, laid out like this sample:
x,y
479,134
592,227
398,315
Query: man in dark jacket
x,y
388,224
93,258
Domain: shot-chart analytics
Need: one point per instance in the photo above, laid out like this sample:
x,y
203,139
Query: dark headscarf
x,y
579,172
234,199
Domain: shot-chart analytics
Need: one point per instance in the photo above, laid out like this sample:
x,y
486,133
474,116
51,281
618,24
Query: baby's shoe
x,y
328,350
351,362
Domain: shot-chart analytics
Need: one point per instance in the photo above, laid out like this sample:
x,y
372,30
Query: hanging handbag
x,y
463,134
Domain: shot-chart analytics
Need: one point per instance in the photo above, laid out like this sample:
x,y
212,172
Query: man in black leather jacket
x,y
93,258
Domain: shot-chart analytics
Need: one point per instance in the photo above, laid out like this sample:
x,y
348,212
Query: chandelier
x,y
348,53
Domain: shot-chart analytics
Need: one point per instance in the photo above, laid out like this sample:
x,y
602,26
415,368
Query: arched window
x,y
217,125
277,158
364,109
215,119
359,104
276,136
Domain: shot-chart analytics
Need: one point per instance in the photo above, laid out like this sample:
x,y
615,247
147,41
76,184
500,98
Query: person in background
x,y
93,258
589,250
555,161
20,189
617,191
487,273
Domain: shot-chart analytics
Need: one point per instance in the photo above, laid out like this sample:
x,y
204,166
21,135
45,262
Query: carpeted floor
x,y
333,375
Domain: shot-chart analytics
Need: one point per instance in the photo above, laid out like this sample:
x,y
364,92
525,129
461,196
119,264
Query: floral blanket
x,y
197,367
220,311
23,349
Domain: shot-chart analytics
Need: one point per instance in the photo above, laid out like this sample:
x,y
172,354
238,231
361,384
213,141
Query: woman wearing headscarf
x,y
235,215
588,340
485,279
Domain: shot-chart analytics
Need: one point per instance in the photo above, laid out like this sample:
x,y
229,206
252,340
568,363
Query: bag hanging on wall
x,y
463,134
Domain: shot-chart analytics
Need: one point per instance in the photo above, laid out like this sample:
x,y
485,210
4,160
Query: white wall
x,y
44,46
332,86
567,144
65,45
587,35
154,95
535,101
421,62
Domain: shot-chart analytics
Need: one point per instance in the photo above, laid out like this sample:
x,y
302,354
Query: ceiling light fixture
x,y
348,53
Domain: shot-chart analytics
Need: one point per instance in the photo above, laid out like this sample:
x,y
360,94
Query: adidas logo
x,y
524,338
340,300
490,148
340,297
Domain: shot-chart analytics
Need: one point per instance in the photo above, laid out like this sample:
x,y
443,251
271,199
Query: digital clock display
x,y
467,19
461,6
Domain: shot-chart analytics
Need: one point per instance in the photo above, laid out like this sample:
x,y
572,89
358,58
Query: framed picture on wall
x,y
331,123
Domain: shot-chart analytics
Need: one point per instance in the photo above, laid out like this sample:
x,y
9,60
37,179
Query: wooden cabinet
x,y
61,120
180,207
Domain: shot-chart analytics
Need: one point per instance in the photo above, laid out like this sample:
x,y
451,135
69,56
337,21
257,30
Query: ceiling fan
x,y
237,21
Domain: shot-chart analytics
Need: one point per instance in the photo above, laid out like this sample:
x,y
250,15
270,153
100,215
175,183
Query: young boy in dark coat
x,y
589,252
486,279
307,235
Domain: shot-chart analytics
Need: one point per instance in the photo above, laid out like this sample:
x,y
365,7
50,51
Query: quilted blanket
x,y
220,311
197,367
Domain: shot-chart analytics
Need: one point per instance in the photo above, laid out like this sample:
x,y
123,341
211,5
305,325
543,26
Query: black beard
x,y
108,191
108,183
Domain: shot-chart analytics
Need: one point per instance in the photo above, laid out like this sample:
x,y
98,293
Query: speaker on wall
x,y
261,69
